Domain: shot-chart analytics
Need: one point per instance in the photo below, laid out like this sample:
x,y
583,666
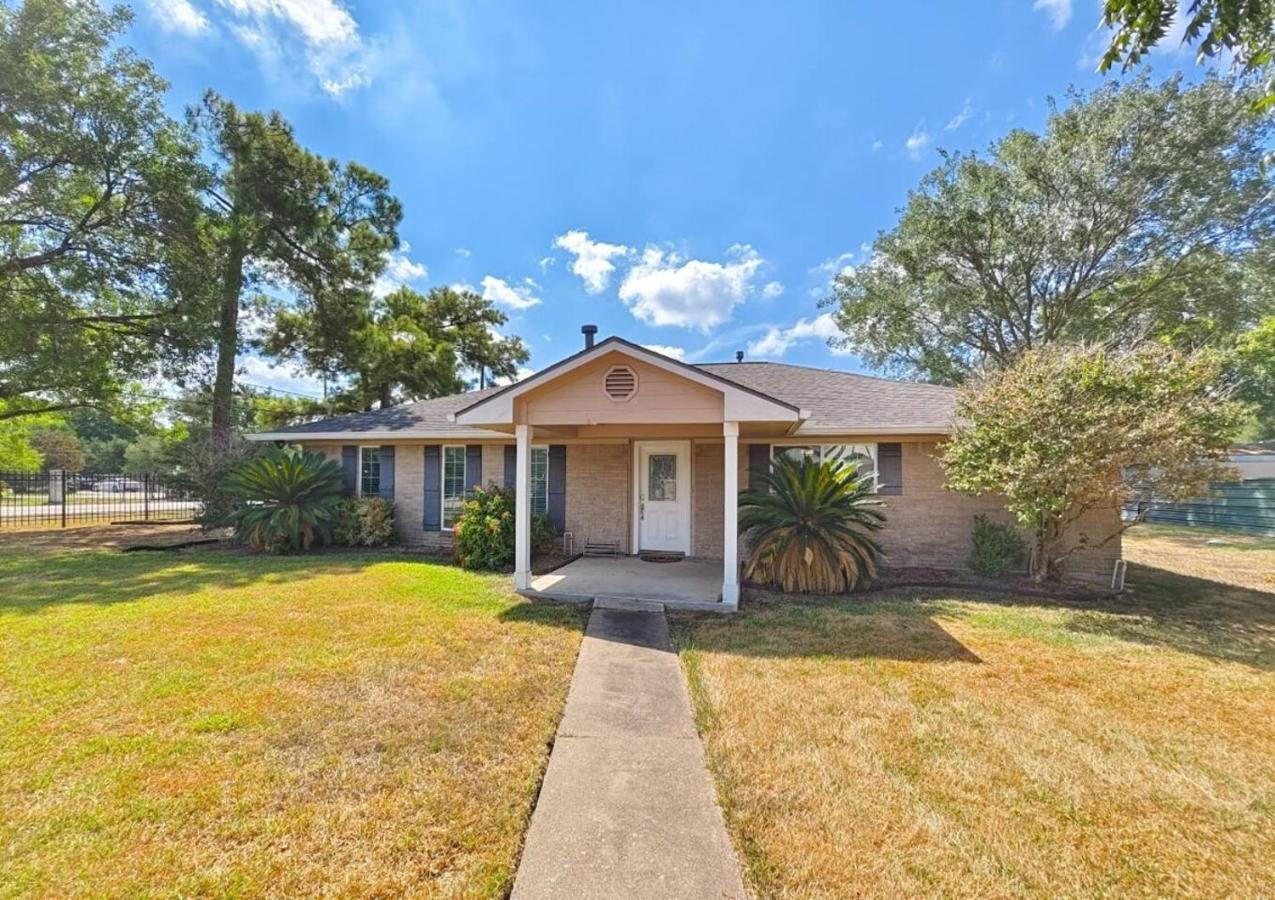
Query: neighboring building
x,y
1254,461
619,444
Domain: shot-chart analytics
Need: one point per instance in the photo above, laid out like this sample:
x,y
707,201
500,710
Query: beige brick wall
x,y
598,493
409,493
493,464
707,500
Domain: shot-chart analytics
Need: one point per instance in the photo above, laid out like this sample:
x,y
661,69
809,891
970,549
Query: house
x,y
621,445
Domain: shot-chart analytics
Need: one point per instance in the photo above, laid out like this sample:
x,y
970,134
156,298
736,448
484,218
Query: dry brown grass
x,y
205,723
1227,556
912,745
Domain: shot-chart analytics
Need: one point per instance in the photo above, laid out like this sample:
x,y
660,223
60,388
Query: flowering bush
x,y
484,533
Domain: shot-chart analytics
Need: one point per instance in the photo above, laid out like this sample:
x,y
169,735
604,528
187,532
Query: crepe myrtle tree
x,y
1068,430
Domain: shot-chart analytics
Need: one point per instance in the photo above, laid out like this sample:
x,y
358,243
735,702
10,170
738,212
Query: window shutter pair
x,y
889,466
433,482
350,470
557,499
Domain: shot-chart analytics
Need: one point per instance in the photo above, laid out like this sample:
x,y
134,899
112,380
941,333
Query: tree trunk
x,y
387,396
227,345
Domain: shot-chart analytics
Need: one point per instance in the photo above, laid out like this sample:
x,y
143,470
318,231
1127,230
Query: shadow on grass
x,y
869,627
1193,615
1161,609
31,584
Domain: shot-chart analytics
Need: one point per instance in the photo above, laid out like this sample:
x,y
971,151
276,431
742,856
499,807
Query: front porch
x,y
686,584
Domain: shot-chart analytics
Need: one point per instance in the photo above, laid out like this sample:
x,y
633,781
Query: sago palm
x,y
290,500
809,526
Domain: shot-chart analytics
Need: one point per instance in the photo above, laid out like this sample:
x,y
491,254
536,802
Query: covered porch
x,y
686,583
671,438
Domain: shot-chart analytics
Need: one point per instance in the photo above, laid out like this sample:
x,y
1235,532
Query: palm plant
x,y
809,526
290,500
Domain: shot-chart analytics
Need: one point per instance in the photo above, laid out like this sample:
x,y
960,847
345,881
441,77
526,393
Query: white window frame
x,y
358,481
531,487
442,481
872,448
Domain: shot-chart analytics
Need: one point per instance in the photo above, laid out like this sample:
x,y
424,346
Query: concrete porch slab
x,y
691,583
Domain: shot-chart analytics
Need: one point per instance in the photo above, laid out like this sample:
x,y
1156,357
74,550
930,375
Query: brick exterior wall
x,y
707,500
598,493
926,525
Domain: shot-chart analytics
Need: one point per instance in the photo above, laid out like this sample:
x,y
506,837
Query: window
x,y
369,471
539,481
661,479
864,454
453,484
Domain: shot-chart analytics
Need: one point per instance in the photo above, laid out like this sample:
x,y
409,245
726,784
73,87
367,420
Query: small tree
x,y
58,448
1065,431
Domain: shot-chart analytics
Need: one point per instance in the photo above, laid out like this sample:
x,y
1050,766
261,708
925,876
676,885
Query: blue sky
x,y
687,175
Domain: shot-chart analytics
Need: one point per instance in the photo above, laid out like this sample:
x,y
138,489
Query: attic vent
x,y
620,383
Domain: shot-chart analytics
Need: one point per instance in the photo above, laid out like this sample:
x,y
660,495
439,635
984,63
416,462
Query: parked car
x,y
124,486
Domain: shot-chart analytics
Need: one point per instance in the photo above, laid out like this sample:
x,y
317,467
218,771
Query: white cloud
x,y
842,264
961,117
1058,11
678,353
546,262
877,145
665,289
333,47
177,16
261,373
512,296
522,374
400,270
917,143
777,341
772,290
464,252
592,258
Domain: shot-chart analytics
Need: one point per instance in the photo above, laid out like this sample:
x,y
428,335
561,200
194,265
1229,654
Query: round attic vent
x,y
620,383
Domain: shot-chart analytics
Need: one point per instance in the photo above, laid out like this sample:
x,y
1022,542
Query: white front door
x,y
664,495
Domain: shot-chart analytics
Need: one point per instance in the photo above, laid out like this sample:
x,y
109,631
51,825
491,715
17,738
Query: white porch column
x,y
522,514
730,527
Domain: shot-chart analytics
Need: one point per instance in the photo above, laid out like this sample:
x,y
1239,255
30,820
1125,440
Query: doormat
x,y
656,556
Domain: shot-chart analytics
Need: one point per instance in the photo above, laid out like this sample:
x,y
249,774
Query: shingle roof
x,y
845,400
835,401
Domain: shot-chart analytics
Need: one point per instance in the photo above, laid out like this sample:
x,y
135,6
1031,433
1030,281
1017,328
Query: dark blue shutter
x,y
511,466
387,472
558,485
890,468
433,487
350,468
473,467
758,463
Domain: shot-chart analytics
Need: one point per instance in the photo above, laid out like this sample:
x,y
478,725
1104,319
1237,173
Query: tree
x,y
58,449
1142,212
1254,374
95,195
405,346
1245,28
1065,431
809,526
16,453
283,217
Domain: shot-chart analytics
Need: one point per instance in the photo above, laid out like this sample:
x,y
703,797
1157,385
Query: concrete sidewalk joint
x,y
627,808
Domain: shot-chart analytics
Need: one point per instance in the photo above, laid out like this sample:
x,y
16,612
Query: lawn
x,y
912,744
208,723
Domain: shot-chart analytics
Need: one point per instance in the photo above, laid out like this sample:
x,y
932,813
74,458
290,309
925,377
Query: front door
x,y
664,496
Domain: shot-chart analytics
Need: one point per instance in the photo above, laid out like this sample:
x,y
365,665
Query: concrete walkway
x,y
627,807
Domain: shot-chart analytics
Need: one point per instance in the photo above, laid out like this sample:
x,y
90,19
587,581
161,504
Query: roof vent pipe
x,y
588,331
739,356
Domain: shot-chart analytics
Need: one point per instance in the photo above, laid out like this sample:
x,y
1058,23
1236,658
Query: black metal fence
x,y
61,499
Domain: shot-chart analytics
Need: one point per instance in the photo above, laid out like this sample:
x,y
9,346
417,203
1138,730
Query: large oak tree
x,y
1142,212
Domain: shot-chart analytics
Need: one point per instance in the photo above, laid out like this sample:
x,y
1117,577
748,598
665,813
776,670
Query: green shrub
x,y
289,498
5,490
998,548
483,536
544,535
363,522
809,526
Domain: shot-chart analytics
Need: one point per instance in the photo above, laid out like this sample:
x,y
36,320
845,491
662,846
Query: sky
x,y
689,176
